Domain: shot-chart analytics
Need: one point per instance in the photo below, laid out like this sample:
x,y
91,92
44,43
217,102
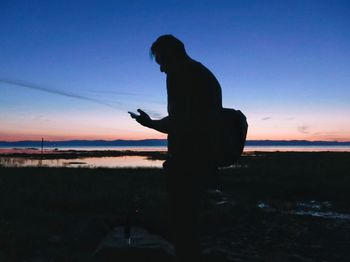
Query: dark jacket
x,y
194,99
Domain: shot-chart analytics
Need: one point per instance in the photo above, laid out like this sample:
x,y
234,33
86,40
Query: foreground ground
x,y
62,214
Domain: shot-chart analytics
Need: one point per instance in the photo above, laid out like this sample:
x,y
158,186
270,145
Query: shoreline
x,y
34,153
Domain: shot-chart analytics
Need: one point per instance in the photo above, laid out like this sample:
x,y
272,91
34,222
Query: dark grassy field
x,y
61,214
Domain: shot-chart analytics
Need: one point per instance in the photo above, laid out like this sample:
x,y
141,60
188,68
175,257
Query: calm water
x,y
246,149
91,162
297,148
138,161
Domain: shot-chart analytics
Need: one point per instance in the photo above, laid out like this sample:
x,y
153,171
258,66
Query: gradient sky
x,y
285,64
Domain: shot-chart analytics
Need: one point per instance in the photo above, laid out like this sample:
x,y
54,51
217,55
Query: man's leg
x,y
184,204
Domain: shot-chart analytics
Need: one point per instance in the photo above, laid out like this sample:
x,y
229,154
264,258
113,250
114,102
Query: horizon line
x,y
164,139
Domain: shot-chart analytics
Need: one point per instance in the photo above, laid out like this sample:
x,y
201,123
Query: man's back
x,y
194,98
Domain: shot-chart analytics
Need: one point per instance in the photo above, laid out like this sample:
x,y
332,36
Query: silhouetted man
x,y
194,99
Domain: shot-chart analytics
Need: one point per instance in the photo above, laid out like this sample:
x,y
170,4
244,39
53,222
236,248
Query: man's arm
x,y
161,125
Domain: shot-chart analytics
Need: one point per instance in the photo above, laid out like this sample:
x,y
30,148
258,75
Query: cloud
x,y
60,93
304,129
290,118
266,118
108,92
41,118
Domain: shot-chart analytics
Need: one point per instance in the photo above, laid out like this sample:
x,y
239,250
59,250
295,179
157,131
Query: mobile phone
x,y
133,115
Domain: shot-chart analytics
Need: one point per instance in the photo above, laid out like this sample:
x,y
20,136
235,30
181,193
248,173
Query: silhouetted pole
x,y
42,152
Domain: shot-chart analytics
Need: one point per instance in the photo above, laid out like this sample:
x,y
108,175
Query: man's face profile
x,y
164,61
160,62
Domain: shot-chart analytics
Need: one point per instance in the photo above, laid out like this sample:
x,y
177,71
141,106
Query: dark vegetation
x,y
61,214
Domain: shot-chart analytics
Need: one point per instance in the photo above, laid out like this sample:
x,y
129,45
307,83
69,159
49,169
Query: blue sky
x,y
285,64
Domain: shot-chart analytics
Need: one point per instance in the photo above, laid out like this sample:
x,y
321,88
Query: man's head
x,y
168,52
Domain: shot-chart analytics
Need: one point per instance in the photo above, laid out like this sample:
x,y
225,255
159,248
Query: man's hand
x,y
143,118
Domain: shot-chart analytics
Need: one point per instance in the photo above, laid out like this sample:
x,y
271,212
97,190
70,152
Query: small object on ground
x,y
139,244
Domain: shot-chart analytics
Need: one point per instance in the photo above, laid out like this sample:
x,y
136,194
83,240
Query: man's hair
x,y
167,44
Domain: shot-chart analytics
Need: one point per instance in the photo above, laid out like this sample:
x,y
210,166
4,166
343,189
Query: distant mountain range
x,y
160,142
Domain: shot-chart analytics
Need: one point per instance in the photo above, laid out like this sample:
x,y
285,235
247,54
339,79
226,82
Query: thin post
x,y
42,147
42,152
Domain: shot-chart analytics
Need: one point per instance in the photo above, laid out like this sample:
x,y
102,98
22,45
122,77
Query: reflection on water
x,y
297,148
328,214
308,208
130,161
91,162
247,148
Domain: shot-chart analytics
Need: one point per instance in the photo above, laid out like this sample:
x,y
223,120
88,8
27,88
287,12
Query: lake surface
x,y
164,148
90,162
131,161
297,148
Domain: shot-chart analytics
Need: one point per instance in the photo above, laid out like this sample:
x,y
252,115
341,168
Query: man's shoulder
x,y
195,65
201,72
198,68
